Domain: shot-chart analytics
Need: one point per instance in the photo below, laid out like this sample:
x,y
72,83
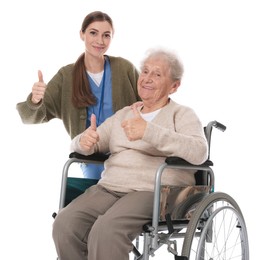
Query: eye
x,y
107,35
93,33
157,74
144,71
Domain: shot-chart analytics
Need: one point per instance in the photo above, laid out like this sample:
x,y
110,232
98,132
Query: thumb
x,y
40,76
93,125
136,112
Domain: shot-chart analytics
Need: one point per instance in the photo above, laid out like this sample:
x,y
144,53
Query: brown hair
x,y
81,92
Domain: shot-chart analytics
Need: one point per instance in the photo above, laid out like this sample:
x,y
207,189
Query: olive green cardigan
x,y
57,100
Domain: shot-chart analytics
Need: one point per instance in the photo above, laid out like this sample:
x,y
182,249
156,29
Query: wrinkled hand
x,y
90,136
38,89
134,128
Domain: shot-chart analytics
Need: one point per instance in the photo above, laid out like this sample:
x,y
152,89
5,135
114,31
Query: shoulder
x,y
64,74
120,61
177,106
66,71
67,68
123,111
180,110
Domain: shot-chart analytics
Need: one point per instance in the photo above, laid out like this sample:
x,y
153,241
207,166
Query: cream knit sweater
x,y
175,131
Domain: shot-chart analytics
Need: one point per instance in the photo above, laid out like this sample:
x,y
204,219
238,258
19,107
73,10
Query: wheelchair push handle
x,y
210,125
219,126
208,132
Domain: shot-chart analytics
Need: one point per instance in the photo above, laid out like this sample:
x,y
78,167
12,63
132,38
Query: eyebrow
x,y
94,29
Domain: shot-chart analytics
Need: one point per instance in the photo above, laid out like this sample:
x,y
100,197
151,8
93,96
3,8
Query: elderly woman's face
x,y
155,83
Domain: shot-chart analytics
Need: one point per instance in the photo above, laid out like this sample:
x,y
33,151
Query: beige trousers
x,y
101,224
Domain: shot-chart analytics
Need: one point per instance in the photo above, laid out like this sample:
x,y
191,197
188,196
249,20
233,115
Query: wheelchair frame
x,y
215,230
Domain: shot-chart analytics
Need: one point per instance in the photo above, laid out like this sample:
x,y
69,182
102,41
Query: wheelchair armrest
x,y
101,157
179,161
97,158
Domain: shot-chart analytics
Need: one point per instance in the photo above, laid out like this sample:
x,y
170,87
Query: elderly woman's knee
x,y
62,225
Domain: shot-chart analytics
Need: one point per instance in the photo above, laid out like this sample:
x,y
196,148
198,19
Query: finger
x,y
137,104
124,123
40,76
93,125
136,112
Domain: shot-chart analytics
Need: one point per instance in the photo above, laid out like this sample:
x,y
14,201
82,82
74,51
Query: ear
x,y
175,86
81,35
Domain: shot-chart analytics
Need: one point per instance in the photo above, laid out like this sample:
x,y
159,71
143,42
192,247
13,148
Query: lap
x,y
102,200
94,201
138,202
128,214
109,206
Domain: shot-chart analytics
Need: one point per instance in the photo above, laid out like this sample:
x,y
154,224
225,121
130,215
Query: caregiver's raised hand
x,y
38,89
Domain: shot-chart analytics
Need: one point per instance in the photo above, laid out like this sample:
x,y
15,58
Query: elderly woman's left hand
x,y
134,128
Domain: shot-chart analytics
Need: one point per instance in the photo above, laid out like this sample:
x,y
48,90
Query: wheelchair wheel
x,y
217,230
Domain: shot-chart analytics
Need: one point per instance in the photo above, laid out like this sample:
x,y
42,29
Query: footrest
x,y
148,227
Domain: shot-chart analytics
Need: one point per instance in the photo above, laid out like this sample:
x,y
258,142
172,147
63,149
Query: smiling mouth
x,y
98,47
147,87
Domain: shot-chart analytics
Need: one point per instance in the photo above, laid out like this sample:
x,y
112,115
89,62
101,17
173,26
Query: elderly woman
x,y
102,223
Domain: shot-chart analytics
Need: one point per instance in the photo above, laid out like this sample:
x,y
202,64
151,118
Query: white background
x,y
220,43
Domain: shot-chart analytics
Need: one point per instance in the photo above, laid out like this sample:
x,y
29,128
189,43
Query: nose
x,y
148,77
100,39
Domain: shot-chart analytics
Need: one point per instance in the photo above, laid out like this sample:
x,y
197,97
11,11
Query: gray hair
x,y
174,62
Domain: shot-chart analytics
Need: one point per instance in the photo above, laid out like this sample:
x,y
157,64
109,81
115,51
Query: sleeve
x,y
31,113
185,140
75,147
46,109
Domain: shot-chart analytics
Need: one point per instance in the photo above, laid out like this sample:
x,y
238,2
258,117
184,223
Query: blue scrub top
x,y
102,109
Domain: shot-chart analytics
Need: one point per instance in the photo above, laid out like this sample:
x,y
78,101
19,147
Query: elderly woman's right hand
x,y
90,136
38,89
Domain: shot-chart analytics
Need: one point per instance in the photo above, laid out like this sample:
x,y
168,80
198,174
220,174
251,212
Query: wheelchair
x,y
206,225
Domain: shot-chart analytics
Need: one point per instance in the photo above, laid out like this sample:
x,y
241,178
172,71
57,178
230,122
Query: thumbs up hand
x,y
134,127
93,125
90,136
38,89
